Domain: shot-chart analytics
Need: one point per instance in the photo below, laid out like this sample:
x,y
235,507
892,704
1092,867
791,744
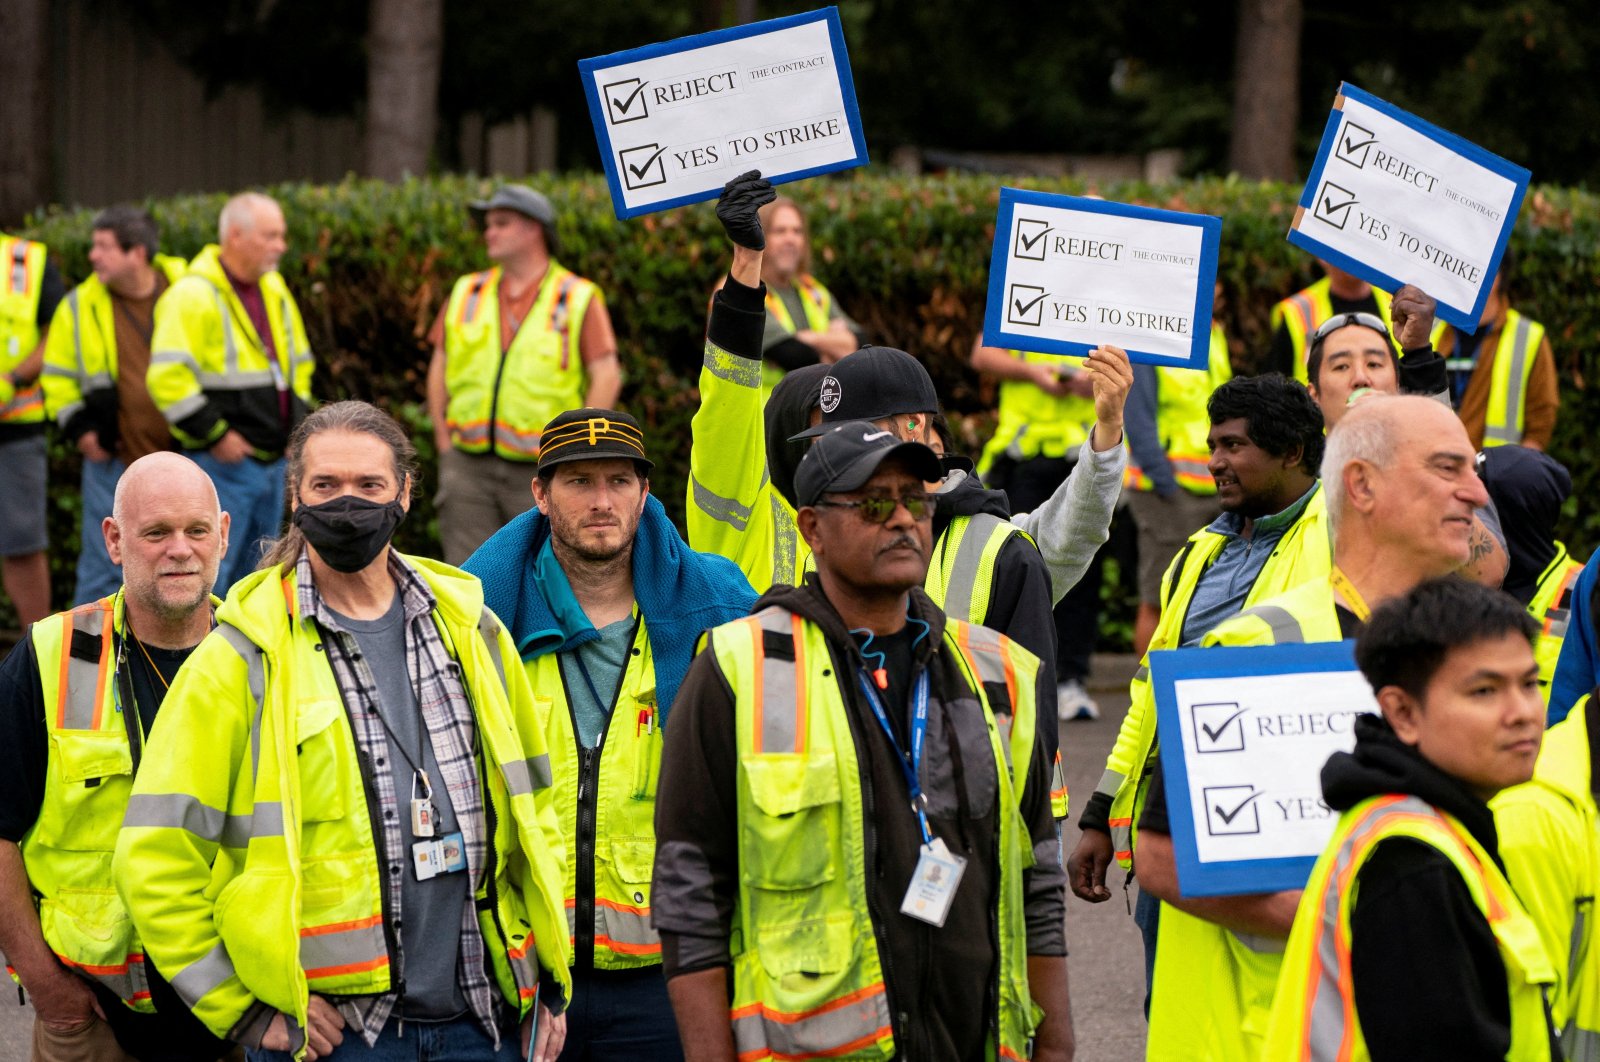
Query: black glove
x,y
737,206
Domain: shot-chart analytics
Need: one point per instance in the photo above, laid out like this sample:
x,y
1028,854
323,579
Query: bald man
x,y
76,700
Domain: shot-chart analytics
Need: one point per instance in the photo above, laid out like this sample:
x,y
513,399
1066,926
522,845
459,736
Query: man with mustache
x,y
854,835
77,698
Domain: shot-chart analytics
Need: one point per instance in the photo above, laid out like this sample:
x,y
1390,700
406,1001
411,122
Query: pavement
x,y
1106,961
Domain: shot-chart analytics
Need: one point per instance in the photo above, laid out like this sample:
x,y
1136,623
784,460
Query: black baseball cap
x,y
591,434
846,455
873,383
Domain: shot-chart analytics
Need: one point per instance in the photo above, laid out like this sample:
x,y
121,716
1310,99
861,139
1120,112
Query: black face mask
x,y
349,532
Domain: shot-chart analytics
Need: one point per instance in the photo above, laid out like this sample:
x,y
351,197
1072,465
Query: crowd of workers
x,y
276,788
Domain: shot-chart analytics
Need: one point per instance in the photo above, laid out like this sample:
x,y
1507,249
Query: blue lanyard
x,y
919,732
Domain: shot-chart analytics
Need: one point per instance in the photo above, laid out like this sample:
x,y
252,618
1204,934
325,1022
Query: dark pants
x,y
621,1016
461,1040
1029,485
1147,916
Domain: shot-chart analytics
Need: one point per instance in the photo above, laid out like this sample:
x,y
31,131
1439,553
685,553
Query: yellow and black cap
x,y
592,435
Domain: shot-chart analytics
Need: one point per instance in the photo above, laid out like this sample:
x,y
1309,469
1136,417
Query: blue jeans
x,y
621,1016
252,494
1147,916
97,576
461,1040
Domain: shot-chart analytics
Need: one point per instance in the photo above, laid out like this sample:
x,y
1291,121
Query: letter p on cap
x,y
596,426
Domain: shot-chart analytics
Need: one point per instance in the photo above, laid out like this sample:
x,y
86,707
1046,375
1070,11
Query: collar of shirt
x,y
551,579
1232,524
415,594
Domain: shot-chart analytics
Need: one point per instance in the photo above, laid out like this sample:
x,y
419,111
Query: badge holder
x,y
435,855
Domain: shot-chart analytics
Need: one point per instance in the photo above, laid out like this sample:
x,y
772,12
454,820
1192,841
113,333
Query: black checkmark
x,y
1228,816
1021,309
1213,734
1027,244
623,105
1351,149
1328,206
638,171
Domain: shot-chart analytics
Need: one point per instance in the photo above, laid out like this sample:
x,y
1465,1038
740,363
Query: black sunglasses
x,y
880,507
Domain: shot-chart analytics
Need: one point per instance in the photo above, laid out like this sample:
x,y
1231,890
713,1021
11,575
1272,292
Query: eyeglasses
x,y
880,507
1338,321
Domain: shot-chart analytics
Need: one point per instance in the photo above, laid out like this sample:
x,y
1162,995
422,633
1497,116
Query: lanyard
x,y
1358,604
919,732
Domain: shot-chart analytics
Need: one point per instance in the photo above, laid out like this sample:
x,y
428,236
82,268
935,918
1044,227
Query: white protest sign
x,y
1396,200
1068,274
676,121
1243,752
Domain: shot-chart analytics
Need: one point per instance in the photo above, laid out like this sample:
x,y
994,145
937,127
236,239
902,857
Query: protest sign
x,y
676,121
1068,274
1244,733
1396,200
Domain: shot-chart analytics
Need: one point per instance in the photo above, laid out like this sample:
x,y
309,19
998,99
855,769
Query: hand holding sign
x,y
738,208
1112,376
1412,313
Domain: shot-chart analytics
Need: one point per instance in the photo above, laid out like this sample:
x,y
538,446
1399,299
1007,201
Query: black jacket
x,y
1430,985
940,980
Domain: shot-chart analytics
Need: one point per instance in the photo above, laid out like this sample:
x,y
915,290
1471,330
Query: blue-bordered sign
x,y
1244,733
1068,274
675,121
1397,200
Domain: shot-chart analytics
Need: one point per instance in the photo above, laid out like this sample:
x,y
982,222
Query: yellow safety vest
x,y
503,401
205,344
1314,1014
816,302
1549,832
1035,424
23,263
1304,312
807,976
1551,606
1211,997
625,803
1302,555
1182,420
1519,343
247,857
80,355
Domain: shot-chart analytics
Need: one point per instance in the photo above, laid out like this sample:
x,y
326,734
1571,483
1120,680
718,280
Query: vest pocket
x,y
324,754
789,841
92,770
91,928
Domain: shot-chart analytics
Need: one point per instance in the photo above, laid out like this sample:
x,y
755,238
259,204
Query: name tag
x,y
446,855
933,884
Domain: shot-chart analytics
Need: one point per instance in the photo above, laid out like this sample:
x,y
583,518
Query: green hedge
x,y
371,263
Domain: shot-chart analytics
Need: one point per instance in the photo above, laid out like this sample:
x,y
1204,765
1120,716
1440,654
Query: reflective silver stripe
x,y
77,330
1580,1045
724,365
987,655
321,954
1111,782
265,821
176,811
1143,674
627,927
82,694
256,678
819,1034
68,411
1510,430
1260,944
489,630
19,265
524,776
230,346
204,975
724,510
967,567
175,357
183,407
1285,628
236,380
779,682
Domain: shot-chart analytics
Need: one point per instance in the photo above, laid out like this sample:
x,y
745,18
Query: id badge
x,y
933,884
421,817
447,855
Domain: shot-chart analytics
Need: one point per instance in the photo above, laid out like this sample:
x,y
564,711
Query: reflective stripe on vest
x,y
1513,363
848,1024
815,303
1285,628
961,578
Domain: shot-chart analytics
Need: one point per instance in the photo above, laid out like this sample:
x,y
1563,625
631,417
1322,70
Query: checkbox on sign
x,y
1353,144
1031,233
1231,810
1333,204
642,166
1025,305
626,101
1218,727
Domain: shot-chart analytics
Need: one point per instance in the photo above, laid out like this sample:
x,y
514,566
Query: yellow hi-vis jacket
x,y
1314,1013
206,357
1551,606
1520,340
1182,420
1550,840
80,355
816,302
1212,992
22,265
1304,312
1035,424
247,858
1302,555
501,402
807,976
622,806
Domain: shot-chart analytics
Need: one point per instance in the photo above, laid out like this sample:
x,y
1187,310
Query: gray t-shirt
x,y
603,660
430,910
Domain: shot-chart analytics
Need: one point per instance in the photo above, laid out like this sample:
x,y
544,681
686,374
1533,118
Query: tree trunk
x,y
24,109
405,48
1266,89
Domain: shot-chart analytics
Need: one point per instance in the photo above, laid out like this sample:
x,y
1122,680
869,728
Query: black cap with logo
x,y
873,383
592,435
846,455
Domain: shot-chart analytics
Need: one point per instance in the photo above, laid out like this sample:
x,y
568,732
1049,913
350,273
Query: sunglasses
x,y
1338,321
880,507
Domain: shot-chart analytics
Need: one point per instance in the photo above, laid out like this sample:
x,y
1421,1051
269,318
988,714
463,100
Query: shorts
x,y
1165,524
22,485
